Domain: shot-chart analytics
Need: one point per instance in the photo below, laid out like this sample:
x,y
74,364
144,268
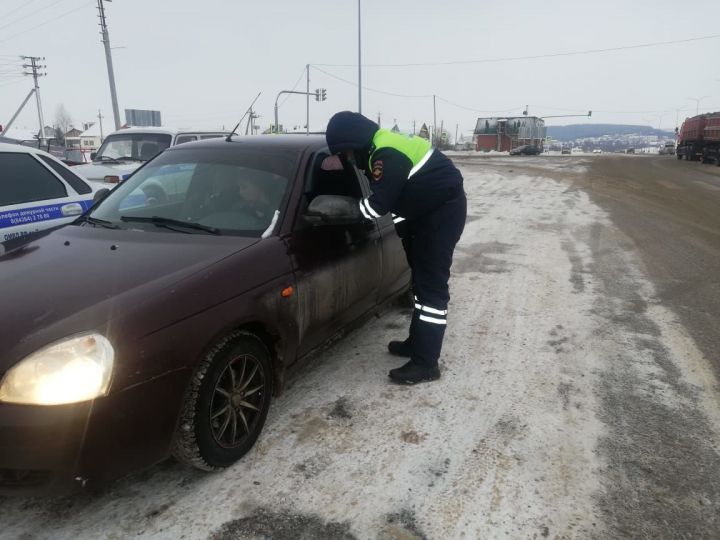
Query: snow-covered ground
x,y
521,438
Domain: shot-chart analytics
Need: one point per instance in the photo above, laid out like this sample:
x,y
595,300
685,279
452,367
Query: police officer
x,y
423,190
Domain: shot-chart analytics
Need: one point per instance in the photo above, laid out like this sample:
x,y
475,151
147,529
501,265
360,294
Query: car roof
x,y
18,148
288,142
166,131
160,130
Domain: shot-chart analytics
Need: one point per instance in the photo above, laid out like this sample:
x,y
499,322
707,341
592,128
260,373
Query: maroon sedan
x,y
161,322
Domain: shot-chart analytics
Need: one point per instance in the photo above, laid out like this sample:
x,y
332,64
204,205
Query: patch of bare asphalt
x,y
662,477
341,409
267,524
272,525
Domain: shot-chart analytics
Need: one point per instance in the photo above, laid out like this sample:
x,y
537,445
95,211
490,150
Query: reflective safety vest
x,y
416,149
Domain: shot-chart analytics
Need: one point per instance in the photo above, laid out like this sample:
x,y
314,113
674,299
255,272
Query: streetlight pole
x,y
697,103
307,100
359,61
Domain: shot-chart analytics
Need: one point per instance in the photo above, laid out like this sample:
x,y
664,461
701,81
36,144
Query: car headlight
x,y
73,370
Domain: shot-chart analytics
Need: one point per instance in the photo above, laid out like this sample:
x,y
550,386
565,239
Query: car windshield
x,y
132,146
225,190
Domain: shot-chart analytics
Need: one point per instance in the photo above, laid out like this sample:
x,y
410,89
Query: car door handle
x,y
71,209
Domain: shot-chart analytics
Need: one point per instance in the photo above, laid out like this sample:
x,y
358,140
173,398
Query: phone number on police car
x,y
28,216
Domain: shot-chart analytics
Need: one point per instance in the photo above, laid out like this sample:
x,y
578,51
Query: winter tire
x,y
226,403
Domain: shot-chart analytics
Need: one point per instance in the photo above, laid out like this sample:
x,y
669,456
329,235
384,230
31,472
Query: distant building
x,y
504,134
72,138
424,132
90,139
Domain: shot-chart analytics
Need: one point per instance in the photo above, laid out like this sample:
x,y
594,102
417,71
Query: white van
x,y
126,149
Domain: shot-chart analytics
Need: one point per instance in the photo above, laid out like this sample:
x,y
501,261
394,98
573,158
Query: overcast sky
x,y
202,62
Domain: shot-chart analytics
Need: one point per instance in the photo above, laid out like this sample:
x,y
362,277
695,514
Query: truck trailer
x,y
699,138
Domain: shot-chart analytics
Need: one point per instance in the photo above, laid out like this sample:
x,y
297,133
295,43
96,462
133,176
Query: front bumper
x,y
40,446
56,449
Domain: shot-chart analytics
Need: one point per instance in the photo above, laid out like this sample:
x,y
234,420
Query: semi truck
x,y
699,138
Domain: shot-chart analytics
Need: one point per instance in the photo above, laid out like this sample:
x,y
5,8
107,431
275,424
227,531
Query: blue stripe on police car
x,y
24,216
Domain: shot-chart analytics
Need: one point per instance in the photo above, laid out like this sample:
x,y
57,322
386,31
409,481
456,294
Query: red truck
x,y
699,138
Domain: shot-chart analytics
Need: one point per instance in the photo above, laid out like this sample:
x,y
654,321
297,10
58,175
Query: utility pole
x,y
359,62
250,127
108,58
413,127
34,66
456,141
100,117
307,100
434,135
379,123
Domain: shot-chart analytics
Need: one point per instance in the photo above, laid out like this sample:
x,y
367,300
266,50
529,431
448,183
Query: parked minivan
x,y
126,149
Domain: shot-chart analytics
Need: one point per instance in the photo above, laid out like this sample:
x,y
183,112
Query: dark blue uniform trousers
x,y
429,244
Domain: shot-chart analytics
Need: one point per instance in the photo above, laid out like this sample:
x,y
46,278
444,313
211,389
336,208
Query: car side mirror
x,y
93,155
333,210
99,194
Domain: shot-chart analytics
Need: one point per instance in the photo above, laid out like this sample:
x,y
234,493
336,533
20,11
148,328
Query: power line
x,y
427,96
536,56
46,22
12,81
478,110
367,88
31,14
294,87
23,4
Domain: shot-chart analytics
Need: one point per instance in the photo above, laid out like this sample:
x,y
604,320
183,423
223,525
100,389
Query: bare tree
x,y
63,122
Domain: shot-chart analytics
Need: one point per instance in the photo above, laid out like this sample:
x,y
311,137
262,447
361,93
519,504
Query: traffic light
x,y
589,114
317,94
320,94
324,94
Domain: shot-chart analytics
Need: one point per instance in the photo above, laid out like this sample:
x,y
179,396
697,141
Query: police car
x,y
38,192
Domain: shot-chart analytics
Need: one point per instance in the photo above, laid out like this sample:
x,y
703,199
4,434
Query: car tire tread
x,y
186,448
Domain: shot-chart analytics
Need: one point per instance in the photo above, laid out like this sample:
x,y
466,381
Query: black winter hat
x,y
349,130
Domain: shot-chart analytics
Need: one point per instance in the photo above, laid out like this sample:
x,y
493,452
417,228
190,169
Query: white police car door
x,y
35,195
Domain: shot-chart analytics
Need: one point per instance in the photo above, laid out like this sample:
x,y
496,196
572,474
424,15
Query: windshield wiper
x,y
96,222
129,158
106,158
171,223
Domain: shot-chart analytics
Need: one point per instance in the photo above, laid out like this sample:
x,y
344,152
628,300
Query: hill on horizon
x,y
580,131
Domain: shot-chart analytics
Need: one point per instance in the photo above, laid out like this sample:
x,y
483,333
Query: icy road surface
x,y
573,404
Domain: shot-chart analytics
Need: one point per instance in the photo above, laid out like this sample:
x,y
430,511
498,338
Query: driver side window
x,y
321,182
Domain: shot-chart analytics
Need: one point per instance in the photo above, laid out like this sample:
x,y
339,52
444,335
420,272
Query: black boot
x,y
400,348
412,373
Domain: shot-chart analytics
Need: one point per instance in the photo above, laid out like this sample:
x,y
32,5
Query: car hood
x,y
77,279
98,171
